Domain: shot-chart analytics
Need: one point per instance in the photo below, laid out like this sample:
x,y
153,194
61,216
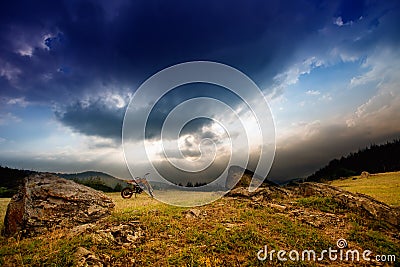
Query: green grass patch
x,y
325,204
384,187
295,235
40,251
373,240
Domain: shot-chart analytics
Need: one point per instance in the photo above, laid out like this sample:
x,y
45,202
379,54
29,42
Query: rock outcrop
x,y
266,192
365,174
240,177
354,201
116,236
46,202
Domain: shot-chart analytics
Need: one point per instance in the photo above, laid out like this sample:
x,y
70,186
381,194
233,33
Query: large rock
x,y
355,201
46,202
265,192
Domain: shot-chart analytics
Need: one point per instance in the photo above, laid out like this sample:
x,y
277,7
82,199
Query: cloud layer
x,y
76,64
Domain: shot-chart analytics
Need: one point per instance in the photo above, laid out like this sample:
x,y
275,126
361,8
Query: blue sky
x,y
329,70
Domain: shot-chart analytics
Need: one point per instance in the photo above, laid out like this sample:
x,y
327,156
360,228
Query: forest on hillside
x,y
10,180
373,159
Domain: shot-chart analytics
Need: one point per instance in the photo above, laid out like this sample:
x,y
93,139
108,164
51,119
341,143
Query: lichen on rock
x,y
46,202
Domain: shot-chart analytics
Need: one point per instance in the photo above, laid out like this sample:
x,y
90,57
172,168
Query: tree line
x,y
98,184
10,179
373,159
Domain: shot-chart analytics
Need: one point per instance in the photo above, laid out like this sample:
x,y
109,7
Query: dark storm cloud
x,y
100,116
122,44
59,52
95,119
73,49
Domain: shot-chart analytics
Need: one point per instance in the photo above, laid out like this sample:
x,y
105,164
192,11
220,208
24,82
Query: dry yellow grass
x,y
228,232
384,187
3,208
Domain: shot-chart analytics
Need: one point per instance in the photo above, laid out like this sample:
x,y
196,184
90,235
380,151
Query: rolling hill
x,y
107,179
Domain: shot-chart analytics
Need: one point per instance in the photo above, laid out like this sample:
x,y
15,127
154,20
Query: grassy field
x,y
3,208
228,232
382,186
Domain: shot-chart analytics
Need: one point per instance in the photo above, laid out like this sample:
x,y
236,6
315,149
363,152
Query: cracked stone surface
x,y
47,202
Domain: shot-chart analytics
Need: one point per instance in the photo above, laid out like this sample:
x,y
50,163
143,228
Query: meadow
x,y
227,232
384,187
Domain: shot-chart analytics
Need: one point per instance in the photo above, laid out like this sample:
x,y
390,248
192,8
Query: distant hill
x,y
10,179
83,177
373,159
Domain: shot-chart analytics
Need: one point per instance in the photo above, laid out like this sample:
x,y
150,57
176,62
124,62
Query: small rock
x,y
365,174
258,198
102,237
77,230
82,252
193,213
84,257
277,206
131,238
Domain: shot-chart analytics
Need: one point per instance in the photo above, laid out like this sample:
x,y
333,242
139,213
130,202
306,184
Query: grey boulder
x,y
46,202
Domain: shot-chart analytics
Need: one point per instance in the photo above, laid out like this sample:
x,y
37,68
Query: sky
x,y
68,69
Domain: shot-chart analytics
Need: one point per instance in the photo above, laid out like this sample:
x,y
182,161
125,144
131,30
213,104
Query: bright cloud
x,y
313,92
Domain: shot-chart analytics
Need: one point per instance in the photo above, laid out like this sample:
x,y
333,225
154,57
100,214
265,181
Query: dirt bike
x,y
136,187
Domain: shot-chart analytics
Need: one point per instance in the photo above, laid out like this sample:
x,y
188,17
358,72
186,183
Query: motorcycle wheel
x,y
126,192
